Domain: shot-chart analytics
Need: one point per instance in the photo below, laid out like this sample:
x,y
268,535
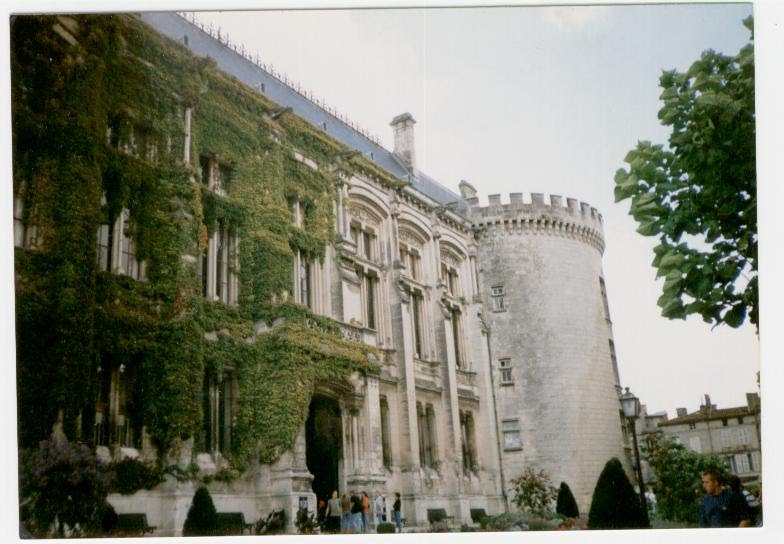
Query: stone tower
x,y
553,359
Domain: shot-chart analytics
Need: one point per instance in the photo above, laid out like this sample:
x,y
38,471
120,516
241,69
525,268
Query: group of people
x,y
732,506
352,512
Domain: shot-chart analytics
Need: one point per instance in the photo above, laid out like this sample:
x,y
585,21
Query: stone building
x,y
647,426
427,344
732,433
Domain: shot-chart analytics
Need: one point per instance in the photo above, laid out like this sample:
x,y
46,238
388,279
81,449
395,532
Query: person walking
x,y
741,514
721,508
332,515
356,512
365,512
379,508
396,513
345,510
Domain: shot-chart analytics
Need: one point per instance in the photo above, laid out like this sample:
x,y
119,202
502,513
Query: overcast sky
x,y
532,99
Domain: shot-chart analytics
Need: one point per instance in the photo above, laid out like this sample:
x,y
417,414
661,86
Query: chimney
x,y
466,189
403,127
680,412
753,401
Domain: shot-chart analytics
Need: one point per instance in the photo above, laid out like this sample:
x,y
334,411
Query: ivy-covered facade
x,y
210,283
163,211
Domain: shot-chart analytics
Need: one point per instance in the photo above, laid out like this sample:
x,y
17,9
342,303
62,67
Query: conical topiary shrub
x,y
615,505
566,505
202,518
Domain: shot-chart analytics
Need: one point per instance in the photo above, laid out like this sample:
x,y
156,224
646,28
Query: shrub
x,y
506,522
202,519
565,504
131,475
385,527
62,488
539,524
615,505
534,492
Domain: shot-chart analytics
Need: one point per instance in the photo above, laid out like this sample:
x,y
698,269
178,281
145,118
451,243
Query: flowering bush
x,y
62,489
533,491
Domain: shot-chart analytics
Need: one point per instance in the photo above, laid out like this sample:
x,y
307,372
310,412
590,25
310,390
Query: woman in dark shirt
x,y
396,512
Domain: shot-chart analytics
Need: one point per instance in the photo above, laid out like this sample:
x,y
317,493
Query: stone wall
x,y
547,260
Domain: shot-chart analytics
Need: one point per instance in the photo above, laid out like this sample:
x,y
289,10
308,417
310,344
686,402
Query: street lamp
x,y
631,409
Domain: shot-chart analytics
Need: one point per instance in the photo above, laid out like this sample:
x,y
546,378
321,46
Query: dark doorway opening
x,y
323,439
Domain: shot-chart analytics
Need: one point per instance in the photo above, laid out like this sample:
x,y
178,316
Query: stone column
x,y
409,456
453,413
374,455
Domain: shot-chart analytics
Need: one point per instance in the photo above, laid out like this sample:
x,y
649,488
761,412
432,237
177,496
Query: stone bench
x,y
478,514
133,524
232,523
434,515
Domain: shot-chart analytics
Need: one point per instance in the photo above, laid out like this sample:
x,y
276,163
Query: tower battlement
x,y
575,219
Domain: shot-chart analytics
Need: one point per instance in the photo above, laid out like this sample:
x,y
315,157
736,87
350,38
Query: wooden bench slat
x,y
232,523
133,523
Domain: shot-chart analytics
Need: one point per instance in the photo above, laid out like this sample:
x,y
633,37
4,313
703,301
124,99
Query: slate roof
x,y
703,415
199,42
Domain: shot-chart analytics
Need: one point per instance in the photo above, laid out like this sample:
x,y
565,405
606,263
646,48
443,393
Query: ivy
x,y
105,117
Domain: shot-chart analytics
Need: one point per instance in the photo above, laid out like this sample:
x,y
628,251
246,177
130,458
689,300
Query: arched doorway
x,y
323,439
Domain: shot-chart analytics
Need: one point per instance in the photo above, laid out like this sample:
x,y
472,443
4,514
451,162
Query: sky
x,y
532,99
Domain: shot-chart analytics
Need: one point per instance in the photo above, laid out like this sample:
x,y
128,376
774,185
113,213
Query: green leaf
x,y
671,260
673,309
735,317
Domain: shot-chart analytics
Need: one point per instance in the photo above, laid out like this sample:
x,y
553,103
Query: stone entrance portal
x,y
323,438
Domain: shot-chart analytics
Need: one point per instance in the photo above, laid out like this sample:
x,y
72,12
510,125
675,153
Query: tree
x,y
565,504
679,477
63,489
698,194
615,505
533,491
202,519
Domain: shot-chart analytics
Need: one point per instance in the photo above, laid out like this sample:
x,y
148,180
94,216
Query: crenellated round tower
x,y
553,360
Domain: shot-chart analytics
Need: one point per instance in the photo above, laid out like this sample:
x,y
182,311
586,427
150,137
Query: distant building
x,y
647,426
733,433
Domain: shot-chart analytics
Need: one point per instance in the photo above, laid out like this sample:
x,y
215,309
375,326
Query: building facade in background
x,y
239,283
731,433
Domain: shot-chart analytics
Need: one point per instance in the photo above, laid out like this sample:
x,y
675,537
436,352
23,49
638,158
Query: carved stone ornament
x,y
405,291
449,258
363,214
445,307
